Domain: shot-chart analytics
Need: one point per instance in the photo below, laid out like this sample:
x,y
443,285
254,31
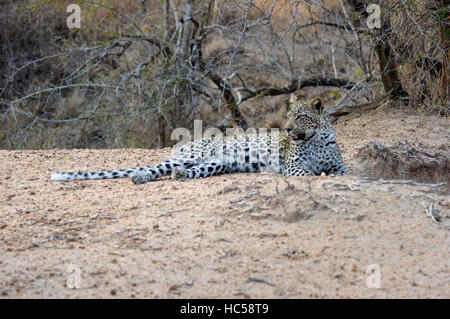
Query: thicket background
x,y
137,69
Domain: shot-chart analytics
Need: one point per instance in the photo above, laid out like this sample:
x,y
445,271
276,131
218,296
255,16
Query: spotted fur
x,y
307,147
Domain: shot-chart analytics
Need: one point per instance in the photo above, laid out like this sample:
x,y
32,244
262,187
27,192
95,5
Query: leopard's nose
x,y
288,129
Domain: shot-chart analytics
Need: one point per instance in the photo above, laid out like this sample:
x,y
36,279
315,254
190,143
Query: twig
x,y
384,181
430,212
150,248
261,280
381,181
223,239
168,213
71,221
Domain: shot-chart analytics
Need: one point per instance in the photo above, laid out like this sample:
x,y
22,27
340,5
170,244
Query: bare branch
x,y
335,25
296,85
344,110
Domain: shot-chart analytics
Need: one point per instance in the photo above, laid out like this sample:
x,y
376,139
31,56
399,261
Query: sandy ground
x,y
230,236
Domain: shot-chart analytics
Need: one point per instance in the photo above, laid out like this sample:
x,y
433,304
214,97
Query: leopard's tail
x,y
70,176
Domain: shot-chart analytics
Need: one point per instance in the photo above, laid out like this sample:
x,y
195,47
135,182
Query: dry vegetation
x,y
136,70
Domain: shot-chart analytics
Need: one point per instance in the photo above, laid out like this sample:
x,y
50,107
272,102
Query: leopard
x,y
306,147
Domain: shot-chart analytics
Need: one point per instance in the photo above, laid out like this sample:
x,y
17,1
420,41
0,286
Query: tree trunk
x,y
386,58
187,31
387,63
444,27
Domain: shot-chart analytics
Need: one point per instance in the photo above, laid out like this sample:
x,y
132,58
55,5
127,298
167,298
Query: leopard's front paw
x,y
179,173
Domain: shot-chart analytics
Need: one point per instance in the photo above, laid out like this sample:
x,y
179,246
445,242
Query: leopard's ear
x,y
316,104
292,100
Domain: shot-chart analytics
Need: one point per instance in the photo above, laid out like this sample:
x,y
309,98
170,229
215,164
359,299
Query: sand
x,y
229,236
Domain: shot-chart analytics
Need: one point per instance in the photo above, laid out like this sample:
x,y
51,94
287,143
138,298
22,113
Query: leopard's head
x,y
304,119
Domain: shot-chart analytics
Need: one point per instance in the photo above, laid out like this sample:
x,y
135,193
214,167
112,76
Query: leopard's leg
x,y
297,171
337,166
150,173
205,169
339,170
